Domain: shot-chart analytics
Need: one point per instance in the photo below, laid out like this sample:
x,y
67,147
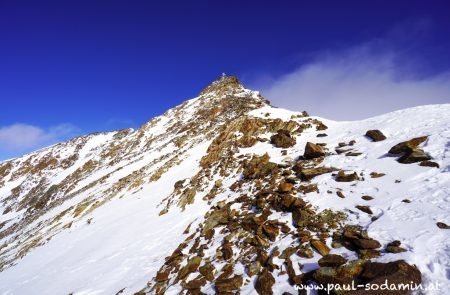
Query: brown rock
x,y
414,156
366,243
340,194
365,209
395,273
375,135
195,284
308,174
343,176
442,225
227,250
376,174
207,271
271,231
367,198
259,167
332,260
395,249
190,267
282,139
229,285
407,146
300,217
285,187
313,151
253,268
429,164
264,283
320,247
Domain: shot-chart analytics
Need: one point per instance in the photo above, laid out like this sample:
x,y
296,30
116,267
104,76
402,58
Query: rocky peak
x,y
224,84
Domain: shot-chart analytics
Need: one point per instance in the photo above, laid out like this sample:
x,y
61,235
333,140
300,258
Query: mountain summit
x,y
226,194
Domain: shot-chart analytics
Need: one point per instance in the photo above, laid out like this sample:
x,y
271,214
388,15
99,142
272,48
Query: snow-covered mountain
x,y
227,194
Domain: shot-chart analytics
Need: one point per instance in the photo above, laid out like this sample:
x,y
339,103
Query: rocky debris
x,y
442,225
313,151
320,247
367,198
259,167
375,135
407,146
361,272
227,285
346,176
264,283
365,209
377,174
332,260
308,174
429,164
283,139
394,247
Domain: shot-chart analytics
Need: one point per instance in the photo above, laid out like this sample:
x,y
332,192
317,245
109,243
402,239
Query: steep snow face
x,y
99,214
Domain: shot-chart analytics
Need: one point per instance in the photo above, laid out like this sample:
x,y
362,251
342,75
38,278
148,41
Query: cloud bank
x,y
369,79
21,138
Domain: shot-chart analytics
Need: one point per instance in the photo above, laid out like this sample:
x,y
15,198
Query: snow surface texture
x,y
122,244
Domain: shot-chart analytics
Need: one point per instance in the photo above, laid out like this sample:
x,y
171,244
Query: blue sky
x,y
74,67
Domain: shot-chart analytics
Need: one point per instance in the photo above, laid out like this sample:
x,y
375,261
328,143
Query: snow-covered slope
x,y
102,213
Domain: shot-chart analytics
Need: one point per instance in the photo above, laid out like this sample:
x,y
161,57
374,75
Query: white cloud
x,y
20,138
376,77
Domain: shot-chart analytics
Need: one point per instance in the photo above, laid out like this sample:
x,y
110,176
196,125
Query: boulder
x,y
366,243
407,146
375,135
344,176
282,139
313,151
332,260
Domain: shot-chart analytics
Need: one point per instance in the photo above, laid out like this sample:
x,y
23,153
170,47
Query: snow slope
x,y
122,243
